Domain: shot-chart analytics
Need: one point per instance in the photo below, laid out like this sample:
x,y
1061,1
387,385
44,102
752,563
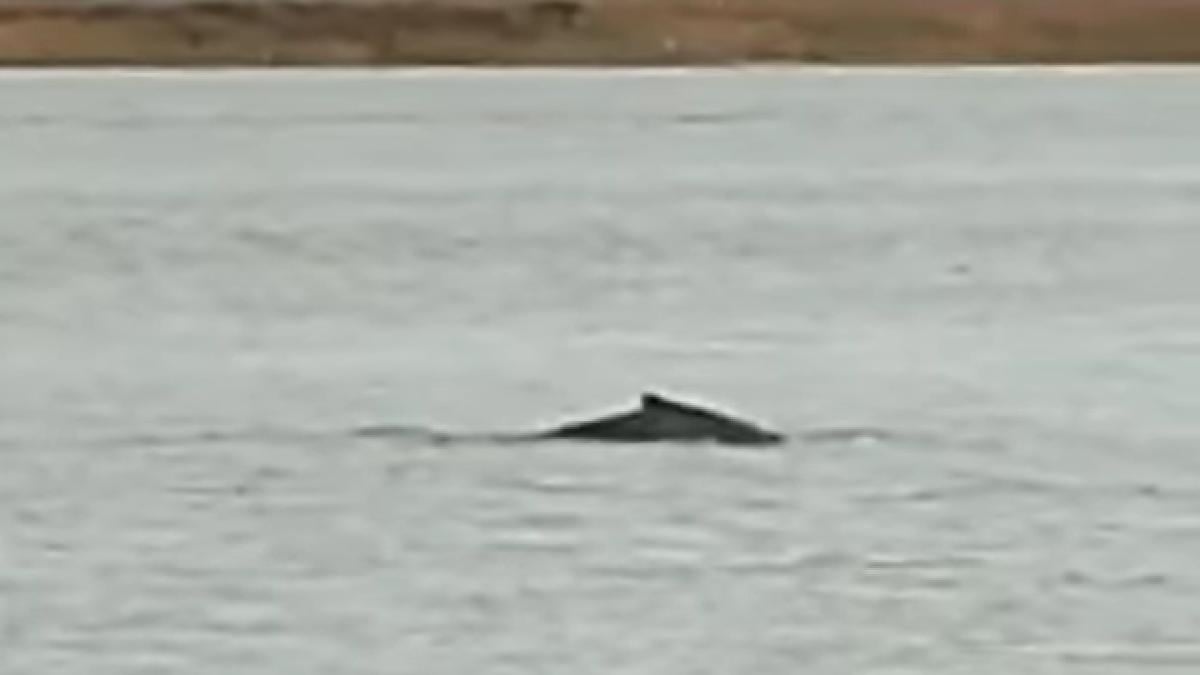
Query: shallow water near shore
x,y
211,279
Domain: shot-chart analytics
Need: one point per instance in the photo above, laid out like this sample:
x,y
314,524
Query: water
x,y
210,278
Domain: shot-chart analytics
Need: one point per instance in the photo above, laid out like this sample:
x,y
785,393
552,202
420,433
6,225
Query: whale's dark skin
x,y
661,419
657,418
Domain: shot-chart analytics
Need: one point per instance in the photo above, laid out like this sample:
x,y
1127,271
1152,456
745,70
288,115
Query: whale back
x,y
674,419
660,418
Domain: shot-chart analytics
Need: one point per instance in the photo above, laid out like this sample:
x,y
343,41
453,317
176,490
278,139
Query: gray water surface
x,y
208,280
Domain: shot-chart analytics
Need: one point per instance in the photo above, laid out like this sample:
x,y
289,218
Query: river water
x,y
208,280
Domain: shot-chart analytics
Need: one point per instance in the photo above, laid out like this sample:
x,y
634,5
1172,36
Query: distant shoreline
x,y
218,33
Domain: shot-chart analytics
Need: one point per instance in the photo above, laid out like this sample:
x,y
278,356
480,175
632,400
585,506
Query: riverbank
x,y
598,32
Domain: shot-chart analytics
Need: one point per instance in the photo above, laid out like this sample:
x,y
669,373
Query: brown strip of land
x,y
598,32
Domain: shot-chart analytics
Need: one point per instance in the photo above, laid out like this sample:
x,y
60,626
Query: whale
x,y
658,418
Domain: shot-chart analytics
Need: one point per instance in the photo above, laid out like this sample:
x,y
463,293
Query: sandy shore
x,y
598,32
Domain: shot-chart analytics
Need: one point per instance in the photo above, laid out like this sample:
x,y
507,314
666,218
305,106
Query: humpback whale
x,y
659,418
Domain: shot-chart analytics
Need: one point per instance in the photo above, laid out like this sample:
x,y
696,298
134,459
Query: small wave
x,y
393,431
435,437
213,437
557,485
1138,655
848,435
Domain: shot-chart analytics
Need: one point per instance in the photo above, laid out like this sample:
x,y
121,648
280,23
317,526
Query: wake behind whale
x,y
656,419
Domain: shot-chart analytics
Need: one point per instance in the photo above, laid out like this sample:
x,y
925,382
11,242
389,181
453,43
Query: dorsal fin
x,y
661,419
653,401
